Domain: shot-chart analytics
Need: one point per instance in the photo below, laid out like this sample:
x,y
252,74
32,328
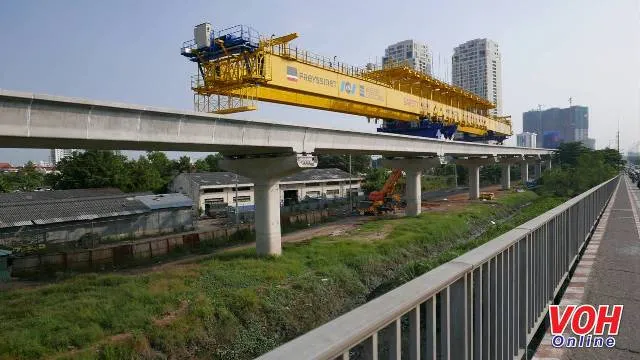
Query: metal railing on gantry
x,y
485,304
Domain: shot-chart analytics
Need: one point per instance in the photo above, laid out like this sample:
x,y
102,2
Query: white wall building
x,y
215,189
411,52
58,154
477,67
527,139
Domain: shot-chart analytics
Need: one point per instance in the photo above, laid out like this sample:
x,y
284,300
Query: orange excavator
x,y
384,200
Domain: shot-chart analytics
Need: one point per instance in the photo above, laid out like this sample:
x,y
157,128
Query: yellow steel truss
x,y
234,82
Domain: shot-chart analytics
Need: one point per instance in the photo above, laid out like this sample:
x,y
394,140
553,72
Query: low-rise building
x,y
7,168
214,189
527,139
67,215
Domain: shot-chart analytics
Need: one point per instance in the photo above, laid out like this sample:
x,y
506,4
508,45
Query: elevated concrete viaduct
x,y
263,151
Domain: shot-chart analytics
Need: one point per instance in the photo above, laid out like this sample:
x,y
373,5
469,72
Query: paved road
x,y
615,276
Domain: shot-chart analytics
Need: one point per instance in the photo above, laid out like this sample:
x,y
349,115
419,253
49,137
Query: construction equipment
x,y
384,200
237,67
486,196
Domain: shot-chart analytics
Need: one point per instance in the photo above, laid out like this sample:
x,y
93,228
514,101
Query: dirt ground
x,y
335,228
458,201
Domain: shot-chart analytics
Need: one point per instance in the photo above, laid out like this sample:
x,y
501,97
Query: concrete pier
x,y
413,168
266,173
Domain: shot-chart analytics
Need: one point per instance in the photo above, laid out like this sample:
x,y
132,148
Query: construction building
x,y
218,189
411,53
477,67
555,126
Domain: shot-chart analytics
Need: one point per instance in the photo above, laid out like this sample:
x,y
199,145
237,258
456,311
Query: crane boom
x,y
388,186
238,67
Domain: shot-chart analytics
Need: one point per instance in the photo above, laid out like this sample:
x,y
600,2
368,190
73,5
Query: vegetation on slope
x,y
236,305
578,169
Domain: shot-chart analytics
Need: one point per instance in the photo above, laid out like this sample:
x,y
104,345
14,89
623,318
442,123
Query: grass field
x,y
237,306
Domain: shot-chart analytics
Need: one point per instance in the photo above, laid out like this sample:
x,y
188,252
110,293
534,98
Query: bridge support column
x,y
473,166
413,191
266,173
413,169
537,170
506,162
474,181
524,172
505,179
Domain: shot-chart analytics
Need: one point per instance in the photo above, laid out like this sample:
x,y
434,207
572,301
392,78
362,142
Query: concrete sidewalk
x,y
608,274
615,276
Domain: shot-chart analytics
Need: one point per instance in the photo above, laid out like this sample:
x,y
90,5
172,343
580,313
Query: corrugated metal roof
x,y
163,201
317,174
229,178
49,207
44,212
217,178
56,195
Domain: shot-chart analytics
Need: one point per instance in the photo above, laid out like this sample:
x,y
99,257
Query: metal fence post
x,y
486,304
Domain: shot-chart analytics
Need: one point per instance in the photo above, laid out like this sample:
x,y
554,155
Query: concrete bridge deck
x,y
609,274
262,151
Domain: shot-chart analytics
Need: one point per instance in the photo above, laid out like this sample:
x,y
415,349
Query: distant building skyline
x,y
557,125
476,66
411,52
58,154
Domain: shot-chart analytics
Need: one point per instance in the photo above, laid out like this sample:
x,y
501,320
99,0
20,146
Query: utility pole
x,y
350,194
570,101
618,136
237,215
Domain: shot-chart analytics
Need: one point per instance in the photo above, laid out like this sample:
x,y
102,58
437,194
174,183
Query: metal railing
x,y
485,304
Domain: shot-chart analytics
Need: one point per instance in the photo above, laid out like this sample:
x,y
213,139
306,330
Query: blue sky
x,y
128,51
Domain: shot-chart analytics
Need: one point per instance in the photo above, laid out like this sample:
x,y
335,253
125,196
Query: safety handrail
x,y
500,292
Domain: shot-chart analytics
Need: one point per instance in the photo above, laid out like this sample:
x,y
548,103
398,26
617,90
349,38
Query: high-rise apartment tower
x,y
476,67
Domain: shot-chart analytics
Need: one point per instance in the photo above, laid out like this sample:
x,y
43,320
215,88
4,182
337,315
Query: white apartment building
x,y
477,67
527,139
215,189
410,52
58,154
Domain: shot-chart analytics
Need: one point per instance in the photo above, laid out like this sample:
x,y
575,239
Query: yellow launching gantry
x,y
237,67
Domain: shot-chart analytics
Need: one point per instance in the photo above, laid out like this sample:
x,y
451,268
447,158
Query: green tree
x,y
375,179
209,163
581,169
183,164
143,176
359,163
463,174
568,153
612,157
490,174
28,178
93,169
162,164
4,184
